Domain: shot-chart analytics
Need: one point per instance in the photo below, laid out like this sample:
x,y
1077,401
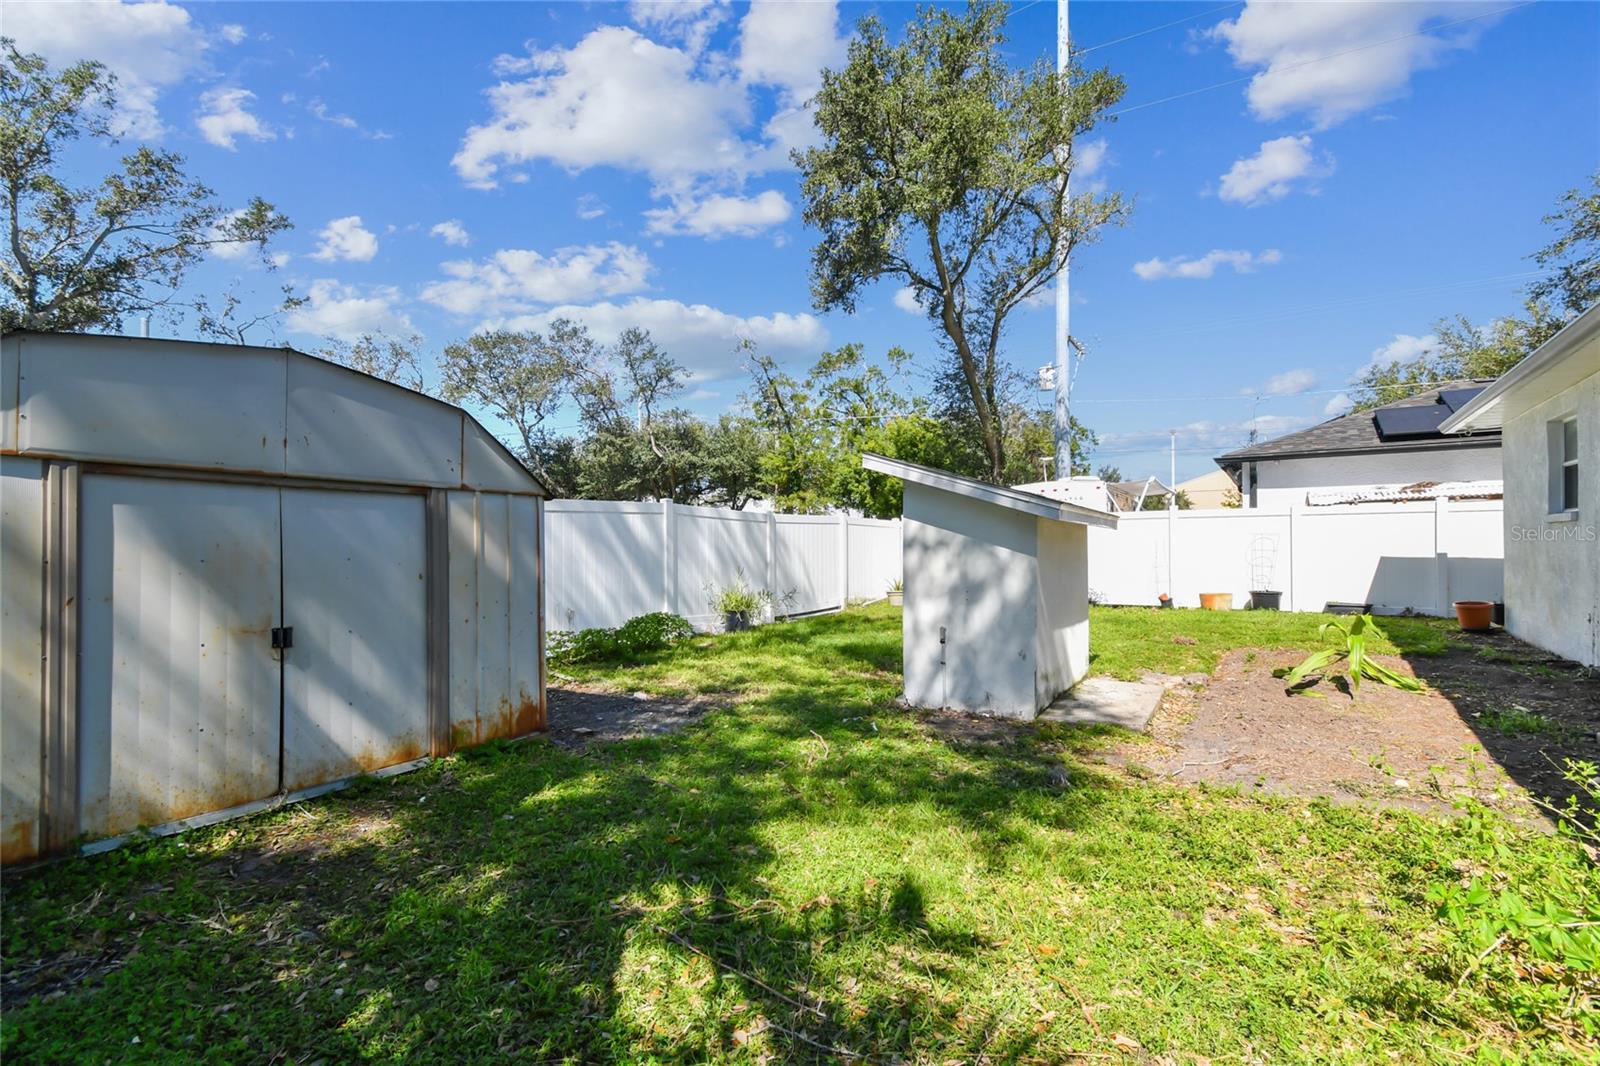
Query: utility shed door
x,y
355,594
178,688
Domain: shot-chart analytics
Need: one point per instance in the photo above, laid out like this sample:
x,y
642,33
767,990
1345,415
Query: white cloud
x,y
786,45
683,115
1404,347
322,112
1338,405
223,118
1205,434
702,338
1334,60
333,309
1288,383
590,206
720,215
1204,267
149,47
1270,174
906,300
233,33
613,99
514,279
452,232
690,22
346,238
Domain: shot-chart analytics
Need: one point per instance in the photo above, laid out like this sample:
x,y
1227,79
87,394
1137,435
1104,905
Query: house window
x,y
1563,465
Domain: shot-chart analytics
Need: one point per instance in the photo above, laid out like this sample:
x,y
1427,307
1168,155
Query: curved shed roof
x,y
238,409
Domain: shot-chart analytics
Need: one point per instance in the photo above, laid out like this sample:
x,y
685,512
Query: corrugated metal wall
x,y
495,648
21,654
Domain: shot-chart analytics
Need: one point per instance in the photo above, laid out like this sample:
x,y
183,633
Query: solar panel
x,y
1456,399
1421,420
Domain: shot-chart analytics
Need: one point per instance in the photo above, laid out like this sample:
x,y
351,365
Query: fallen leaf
x,y
1046,950
1125,1043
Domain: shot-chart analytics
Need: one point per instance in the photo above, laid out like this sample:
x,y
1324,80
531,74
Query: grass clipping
x,y
1350,647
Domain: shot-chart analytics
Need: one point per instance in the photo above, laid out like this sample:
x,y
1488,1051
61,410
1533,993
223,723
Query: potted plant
x,y
1216,601
1263,561
739,604
897,592
1474,614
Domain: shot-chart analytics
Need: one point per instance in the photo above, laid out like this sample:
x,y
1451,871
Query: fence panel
x,y
1411,556
603,562
809,563
875,550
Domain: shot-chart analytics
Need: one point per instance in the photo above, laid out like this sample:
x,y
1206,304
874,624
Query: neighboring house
x,y
1547,410
1208,492
1396,451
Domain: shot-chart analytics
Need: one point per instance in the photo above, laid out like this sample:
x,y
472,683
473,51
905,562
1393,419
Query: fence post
x,y
1294,517
772,553
669,557
1441,556
844,559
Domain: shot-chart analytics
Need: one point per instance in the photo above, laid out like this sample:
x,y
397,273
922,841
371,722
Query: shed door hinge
x,y
282,637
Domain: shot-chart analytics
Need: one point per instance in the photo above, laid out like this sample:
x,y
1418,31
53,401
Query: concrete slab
x,y
1105,701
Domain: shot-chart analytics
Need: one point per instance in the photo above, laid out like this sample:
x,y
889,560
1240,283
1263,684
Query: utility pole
x,y
1063,411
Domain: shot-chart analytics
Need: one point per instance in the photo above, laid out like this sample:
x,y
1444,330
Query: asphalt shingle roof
x,y
1358,432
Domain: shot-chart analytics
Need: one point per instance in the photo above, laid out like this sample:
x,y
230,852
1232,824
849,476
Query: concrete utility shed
x,y
996,592
234,576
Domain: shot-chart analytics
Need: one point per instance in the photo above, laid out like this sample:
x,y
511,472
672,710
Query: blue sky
x,y
1312,183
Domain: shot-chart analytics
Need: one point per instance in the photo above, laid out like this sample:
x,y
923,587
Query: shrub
x,y
653,632
1349,645
637,636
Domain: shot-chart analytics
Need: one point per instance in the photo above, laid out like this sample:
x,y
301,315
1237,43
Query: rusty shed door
x,y
178,690
355,695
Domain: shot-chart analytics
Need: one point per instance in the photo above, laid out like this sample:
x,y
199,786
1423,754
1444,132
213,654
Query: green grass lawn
x,y
807,875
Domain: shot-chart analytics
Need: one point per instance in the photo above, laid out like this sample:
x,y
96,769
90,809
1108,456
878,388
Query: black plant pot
x,y
1339,607
735,621
1266,601
1499,615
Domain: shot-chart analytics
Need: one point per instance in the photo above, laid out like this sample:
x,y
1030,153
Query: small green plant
x,y
1349,645
1533,932
635,637
740,598
1516,721
897,585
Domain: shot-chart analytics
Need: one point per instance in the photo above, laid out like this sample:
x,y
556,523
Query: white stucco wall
x,y
1553,567
1016,633
1281,483
1063,608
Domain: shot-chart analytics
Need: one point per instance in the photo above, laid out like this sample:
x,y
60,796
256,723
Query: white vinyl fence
x,y
1416,556
606,562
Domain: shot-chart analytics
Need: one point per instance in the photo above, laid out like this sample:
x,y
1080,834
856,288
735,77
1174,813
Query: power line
x,y
1157,29
1317,59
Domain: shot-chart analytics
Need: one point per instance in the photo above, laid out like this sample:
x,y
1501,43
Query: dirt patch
x,y
580,715
955,727
1496,722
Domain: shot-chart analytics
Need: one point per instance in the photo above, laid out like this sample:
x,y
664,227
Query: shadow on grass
x,y
1530,710
522,901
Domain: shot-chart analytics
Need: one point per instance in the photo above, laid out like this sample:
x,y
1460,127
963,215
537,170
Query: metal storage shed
x,y
236,575
996,592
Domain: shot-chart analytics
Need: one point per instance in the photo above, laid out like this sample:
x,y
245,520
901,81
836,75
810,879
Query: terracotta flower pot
x,y
1474,614
1216,601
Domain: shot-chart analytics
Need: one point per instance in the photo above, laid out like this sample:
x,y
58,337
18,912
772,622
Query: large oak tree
x,y
945,168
